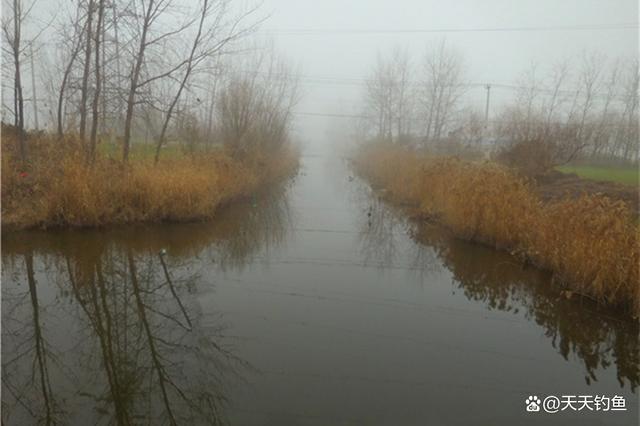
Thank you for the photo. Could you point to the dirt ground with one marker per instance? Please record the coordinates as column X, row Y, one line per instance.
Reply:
column 556, row 185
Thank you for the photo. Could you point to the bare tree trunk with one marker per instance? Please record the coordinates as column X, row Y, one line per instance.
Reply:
column 103, row 82
column 85, row 74
column 135, row 76
column 34, row 96
column 65, row 78
column 96, row 95
column 559, row 76
column 212, row 106
column 183, row 83
column 155, row 357
column 214, row 96
column 40, row 347
column 17, row 88
column 118, row 120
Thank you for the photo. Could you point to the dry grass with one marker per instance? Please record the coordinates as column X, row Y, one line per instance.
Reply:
column 590, row 243
column 59, row 189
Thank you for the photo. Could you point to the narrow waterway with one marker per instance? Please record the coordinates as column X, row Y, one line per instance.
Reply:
column 314, row 303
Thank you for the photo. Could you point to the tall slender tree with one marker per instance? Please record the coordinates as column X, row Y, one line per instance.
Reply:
column 84, row 91
column 98, row 81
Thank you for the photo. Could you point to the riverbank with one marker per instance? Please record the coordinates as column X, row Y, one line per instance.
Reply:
column 555, row 185
column 59, row 188
column 590, row 243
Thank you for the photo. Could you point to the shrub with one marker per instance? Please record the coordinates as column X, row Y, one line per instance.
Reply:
column 531, row 157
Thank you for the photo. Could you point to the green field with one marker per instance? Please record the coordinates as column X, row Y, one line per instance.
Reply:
column 624, row 175
column 143, row 151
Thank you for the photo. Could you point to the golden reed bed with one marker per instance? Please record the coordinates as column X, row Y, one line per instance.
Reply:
column 589, row 243
column 59, row 189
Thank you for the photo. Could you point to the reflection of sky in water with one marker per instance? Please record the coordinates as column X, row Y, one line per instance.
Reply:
column 316, row 304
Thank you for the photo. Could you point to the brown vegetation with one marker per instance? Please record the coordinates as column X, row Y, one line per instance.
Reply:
column 528, row 157
column 60, row 189
column 589, row 243
column 555, row 185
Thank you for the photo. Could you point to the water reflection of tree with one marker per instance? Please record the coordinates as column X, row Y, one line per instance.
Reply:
column 23, row 330
column 158, row 364
column 596, row 335
column 139, row 349
column 265, row 226
column 144, row 353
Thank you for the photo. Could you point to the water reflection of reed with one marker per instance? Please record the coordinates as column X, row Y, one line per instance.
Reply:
column 380, row 241
column 378, row 237
column 238, row 232
column 118, row 336
column 598, row 336
column 264, row 227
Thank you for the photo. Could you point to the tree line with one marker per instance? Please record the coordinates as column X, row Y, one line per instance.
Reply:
column 163, row 70
column 584, row 107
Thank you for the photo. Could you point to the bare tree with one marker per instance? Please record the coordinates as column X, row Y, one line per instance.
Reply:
column 205, row 45
column 541, row 127
column 557, row 80
column 403, row 99
column 76, row 44
column 442, row 88
column 579, row 127
column 602, row 131
column 588, row 86
column 150, row 13
column 98, row 81
column 630, row 126
column 86, row 70
column 472, row 128
column 379, row 95
column 525, row 108
column 388, row 96
column 12, row 30
column 255, row 108
column 215, row 71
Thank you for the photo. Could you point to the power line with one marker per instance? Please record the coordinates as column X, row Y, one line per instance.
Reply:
column 414, row 120
column 320, row 114
column 354, row 81
column 314, row 31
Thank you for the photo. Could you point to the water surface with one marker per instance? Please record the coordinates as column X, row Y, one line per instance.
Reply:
column 314, row 303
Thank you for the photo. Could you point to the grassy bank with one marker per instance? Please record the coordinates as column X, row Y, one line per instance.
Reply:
column 623, row 175
column 59, row 189
column 589, row 243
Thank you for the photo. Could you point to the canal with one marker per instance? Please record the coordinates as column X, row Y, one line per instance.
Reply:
column 312, row 303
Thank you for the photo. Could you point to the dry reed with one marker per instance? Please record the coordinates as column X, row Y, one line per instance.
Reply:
column 59, row 188
column 590, row 243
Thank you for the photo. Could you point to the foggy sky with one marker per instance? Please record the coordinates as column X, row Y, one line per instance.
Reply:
column 334, row 57
column 499, row 57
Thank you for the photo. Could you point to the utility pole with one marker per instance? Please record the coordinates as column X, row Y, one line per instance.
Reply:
column 33, row 87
